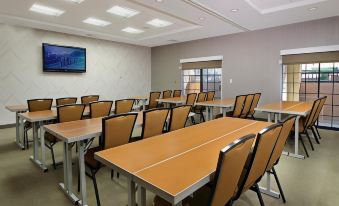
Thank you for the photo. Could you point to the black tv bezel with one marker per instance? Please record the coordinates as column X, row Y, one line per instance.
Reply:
column 60, row 69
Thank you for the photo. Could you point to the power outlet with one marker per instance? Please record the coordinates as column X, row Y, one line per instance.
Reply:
column 231, row 81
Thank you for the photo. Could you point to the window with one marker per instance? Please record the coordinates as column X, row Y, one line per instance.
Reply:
column 202, row 80
column 306, row 82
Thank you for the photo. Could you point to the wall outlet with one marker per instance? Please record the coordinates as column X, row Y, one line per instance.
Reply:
column 231, row 81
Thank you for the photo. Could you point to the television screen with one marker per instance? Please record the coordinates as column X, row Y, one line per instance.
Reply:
column 63, row 58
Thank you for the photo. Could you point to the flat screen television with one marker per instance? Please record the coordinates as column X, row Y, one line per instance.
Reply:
column 63, row 58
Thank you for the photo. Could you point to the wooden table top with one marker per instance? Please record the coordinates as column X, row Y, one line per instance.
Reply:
column 82, row 129
column 140, row 97
column 174, row 100
column 17, row 108
column 227, row 102
column 160, row 161
column 287, row 107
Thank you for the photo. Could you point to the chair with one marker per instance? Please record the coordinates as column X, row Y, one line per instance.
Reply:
column 315, row 119
column 167, row 94
column 210, row 95
column 100, row 109
column 116, row 131
column 230, row 166
column 197, row 109
column 154, row 122
column 254, row 105
column 35, row 105
column 153, row 100
column 305, row 123
column 190, row 100
column 258, row 160
column 247, row 106
column 88, row 99
column 66, row 100
column 123, row 106
column 238, row 106
column 66, row 113
column 178, row 117
column 287, row 126
column 177, row 93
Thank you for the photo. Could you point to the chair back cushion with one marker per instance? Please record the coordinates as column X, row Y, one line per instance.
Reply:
column 178, row 117
column 190, row 99
column 100, row 109
column 35, row 105
column 210, row 95
column 154, row 122
column 123, row 106
column 167, row 94
column 67, row 113
column 153, row 99
column 177, row 93
column 238, row 105
column 67, row 100
column 88, row 99
column 254, row 103
column 247, row 105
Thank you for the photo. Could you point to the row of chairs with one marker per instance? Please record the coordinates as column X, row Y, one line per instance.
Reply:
column 249, row 159
column 244, row 106
column 117, row 131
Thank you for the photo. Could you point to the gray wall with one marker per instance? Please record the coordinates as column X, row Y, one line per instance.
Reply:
column 251, row 59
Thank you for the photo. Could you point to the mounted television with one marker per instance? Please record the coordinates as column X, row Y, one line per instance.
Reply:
column 63, row 58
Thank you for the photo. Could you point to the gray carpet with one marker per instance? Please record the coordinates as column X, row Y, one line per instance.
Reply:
column 312, row 182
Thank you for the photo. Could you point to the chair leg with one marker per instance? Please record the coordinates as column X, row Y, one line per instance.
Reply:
column 192, row 120
column 78, row 179
column 112, row 174
column 279, row 186
column 53, row 158
column 302, row 142
column 257, row 190
column 315, row 135
column 309, row 139
column 95, row 187
column 316, row 129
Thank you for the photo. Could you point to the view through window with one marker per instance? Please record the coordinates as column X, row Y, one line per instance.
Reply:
column 306, row 82
column 202, row 80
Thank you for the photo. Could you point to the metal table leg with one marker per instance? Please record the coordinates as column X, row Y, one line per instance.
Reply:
column 268, row 190
column 18, row 133
column 131, row 193
column 142, row 196
column 224, row 112
column 269, row 117
column 207, row 113
column 81, row 151
column 66, row 186
column 35, row 158
column 144, row 104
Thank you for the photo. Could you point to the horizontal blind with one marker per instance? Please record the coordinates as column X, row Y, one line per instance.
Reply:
column 319, row 57
column 202, row 65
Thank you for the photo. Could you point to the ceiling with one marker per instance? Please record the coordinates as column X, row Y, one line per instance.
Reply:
column 192, row 19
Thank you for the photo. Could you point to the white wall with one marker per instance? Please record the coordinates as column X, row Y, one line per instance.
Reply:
column 114, row 70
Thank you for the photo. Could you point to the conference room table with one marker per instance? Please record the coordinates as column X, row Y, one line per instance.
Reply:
column 175, row 164
column 298, row 108
column 79, row 132
column 19, row 108
column 172, row 100
column 224, row 104
column 143, row 99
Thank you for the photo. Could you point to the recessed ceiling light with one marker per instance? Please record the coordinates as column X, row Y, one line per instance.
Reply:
column 132, row 30
column 159, row 23
column 234, row 10
column 96, row 22
column 76, row 1
column 123, row 11
column 46, row 10
column 159, row 1
column 312, row 9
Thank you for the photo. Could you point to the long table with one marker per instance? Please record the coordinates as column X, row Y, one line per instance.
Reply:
column 175, row 164
column 173, row 100
column 224, row 104
column 78, row 132
column 19, row 108
column 301, row 109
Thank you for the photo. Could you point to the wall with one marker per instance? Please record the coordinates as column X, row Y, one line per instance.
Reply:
column 114, row 70
column 251, row 59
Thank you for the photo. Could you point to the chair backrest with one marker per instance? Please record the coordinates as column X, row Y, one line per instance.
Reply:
column 177, row 93
column 190, row 99
column 320, row 107
column 287, row 126
column 123, row 106
column 201, row 98
column 35, row 105
column 153, row 96
column 88, row 99
column 100, row 108
column 210, row 95
column 238, row 105
column 312, row 114
column 67, row 113
column 117, row 129
column 230, row 165
column 154, row 122
column 247, row 105
column 254, row 103
column 178, row 117
column 167, row 94
column 66, row 100
column 262, row 151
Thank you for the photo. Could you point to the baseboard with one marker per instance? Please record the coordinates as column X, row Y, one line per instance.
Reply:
column 5, row 126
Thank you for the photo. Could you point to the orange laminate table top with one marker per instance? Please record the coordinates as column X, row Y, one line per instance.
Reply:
column 227, row 102
column 81, row 129
column 287, row 107
column 17, row 108
column 174, row 100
